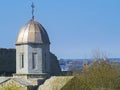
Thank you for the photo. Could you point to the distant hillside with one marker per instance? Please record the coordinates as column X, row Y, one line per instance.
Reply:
column 67, row 64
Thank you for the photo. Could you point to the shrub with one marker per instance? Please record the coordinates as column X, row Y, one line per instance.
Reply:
column 10, row 87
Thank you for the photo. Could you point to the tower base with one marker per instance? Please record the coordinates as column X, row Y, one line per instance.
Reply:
column 35, row 79
column 30, row 76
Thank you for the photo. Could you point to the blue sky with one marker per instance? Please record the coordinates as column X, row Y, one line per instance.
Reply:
column 76, row 27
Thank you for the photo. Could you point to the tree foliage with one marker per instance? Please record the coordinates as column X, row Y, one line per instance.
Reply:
column 99, row 76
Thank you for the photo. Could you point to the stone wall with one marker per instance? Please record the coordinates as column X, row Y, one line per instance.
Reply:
column 55, row 67
column 8, row 62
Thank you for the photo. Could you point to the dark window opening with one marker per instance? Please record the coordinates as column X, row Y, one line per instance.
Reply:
column 22, row 60
column 45, row 61
column 34, row 60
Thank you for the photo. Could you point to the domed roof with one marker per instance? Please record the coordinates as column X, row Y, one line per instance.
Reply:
column 32, row 32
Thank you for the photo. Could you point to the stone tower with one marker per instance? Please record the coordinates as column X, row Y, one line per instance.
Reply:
column 32, row 49
column 33, row 56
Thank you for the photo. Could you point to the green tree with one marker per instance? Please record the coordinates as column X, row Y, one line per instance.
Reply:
column 99, row 75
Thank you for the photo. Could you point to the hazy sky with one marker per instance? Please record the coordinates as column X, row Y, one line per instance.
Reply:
column 75, row 27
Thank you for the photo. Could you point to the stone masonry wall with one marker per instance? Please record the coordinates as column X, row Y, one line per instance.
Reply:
column 55, row 67
column 8, row 62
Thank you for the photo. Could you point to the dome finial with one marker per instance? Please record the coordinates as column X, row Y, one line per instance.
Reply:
column 32, row 10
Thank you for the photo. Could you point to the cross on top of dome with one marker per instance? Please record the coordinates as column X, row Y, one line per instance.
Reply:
column 33, row 6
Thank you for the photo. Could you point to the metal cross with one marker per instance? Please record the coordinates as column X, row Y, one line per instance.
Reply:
column 32, row 10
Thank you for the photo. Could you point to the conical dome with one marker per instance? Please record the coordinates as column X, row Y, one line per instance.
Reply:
column 32, row 32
